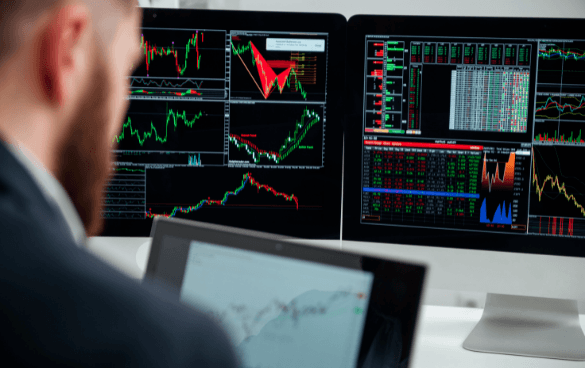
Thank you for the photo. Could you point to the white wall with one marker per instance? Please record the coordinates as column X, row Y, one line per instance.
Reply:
column 498, row 8
column 516, row 8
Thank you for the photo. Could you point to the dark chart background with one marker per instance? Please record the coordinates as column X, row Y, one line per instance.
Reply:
column 250, row 208
column 435, row 94
column 183, row 170
column 545, row 82
column 268, row 127
column 209, row 43
column 561, row 65
column 434, row 101
column 311, row 69
column 199, row 126
column 558, row 166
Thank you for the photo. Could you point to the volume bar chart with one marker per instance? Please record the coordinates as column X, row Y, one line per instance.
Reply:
column 557, row 226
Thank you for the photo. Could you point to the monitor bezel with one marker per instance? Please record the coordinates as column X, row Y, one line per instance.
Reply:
column 410, row 276
column 331, row 174
column 490, row 27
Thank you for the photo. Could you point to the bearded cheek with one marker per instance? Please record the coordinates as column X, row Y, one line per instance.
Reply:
column 86, row 154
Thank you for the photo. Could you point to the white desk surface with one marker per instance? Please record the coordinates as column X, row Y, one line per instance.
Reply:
column 440, row 330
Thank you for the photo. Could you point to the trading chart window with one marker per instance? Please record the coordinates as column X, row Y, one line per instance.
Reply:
column 223, row 122
column 474, row 134
column 277, row 74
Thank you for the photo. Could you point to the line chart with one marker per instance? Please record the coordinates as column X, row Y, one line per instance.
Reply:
column 557, row 191
column 171, row 116
column 163, row 83
column 561, row 63
column 556, row 52
column 561, row 106
column 247, row 180
column 172, row 126
column 126, row 169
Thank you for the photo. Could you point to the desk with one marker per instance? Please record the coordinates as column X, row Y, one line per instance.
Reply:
column 440, row 330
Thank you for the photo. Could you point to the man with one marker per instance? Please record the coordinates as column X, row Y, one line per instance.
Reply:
column 63, row 68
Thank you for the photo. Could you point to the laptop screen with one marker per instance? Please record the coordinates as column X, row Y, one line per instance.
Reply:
column 279, row 311
column 286, row 304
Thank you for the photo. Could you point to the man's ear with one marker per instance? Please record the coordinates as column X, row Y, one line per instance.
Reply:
column 64, row 56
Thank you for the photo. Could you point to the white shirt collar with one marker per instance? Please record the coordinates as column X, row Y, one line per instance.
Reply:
column 52, row 190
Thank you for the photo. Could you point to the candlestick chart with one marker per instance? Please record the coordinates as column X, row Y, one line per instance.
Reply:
column 172, row 126
column 247, row 180
column 276, row 134
column 176, row 62
column 557, row 183
column 562, row 63
column 261, row 74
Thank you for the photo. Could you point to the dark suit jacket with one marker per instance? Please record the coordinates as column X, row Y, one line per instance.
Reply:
column 60, row 305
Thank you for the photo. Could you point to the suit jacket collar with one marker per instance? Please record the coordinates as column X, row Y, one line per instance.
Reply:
column 18, row 184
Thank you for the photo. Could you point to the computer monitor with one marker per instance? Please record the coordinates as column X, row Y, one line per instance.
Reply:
column 464, row 138
column 234, row 119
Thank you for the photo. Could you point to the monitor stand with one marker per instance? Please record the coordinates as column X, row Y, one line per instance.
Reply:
column 528, row 326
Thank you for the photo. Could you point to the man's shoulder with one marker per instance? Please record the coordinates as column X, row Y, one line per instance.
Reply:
column 66, row 305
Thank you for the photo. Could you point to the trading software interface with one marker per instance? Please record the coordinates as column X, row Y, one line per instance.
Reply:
column 276, row 309
column 221, row 120
column 474, row 134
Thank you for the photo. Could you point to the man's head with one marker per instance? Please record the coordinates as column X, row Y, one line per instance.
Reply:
column 64, row 64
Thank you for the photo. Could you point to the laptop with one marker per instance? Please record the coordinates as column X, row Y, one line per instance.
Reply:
column 286, row 304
